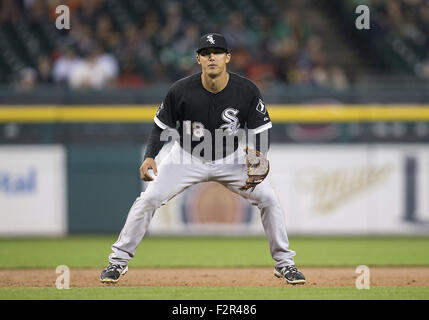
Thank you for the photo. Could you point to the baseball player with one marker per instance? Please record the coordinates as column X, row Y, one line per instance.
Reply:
column 201, row 106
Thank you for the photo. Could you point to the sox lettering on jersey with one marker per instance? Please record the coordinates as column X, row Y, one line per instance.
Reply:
column 203, row 117
column 230, row 116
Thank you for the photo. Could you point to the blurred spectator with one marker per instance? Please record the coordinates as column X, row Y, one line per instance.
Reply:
column 88, row 11
column 142, row 44
column 407, row 22
column 292, row 25
column 131, row 41
column 82, row 37
column 63, row 65
column 236, row 32
column 174, row 22
column 423, row 70
column 328, row 77
column 27, row 79
column 175, row 36
column 148, row 56
column 9, row 10
column 92, row 72
column 423, row 19
column 185, row 48
column 262, row 74
column 105, row 34
column 190, row 38
column 108, row 63
column 44, row 74
column 312, row 53
column 240, row 61
column 150, row 25
column 37, row 10
column 129, row 78
column 263, row 37
column 28, row 4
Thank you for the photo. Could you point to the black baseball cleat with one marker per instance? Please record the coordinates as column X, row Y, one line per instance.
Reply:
column 291, row 274
column 112, row 273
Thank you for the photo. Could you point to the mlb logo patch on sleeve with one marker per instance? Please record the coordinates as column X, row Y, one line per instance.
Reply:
column 261, row 107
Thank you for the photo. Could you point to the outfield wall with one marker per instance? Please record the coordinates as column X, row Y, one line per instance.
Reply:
column 33, row 198
column 80, row 174
column 324, row 189
column 353, row 189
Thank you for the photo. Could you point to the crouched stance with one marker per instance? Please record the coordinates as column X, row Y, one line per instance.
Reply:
column 206, row 102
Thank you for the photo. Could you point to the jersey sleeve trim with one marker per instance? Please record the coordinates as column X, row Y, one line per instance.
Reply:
column 262, row 128
column 160, row 123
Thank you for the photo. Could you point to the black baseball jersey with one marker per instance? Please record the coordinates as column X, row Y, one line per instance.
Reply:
column 190, row 108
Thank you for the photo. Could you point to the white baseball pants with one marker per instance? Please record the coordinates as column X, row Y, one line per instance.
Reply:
column 178, row 171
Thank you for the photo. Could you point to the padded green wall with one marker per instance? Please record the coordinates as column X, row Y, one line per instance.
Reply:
column 103, row 182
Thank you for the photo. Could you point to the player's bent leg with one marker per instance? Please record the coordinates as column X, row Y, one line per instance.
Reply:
column 165, row 186
column 171, row 180
column 273, row 221
column 135, row 227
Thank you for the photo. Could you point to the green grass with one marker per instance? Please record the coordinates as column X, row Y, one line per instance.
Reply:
column 92, row 251
column 216, row 293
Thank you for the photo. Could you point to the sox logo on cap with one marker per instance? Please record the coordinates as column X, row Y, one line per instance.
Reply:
column 210, row 39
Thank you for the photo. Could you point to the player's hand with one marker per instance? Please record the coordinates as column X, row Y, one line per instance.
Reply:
column 149, row 163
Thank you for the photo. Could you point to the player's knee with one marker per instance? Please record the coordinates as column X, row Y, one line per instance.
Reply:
column 266, row 204
column 267, row 200
column 149, row 202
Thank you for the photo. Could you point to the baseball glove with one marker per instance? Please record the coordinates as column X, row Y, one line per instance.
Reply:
column 258, row 167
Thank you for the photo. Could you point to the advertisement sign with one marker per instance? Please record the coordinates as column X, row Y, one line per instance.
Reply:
column 32, row 190
column 352, row 189
column 323, row 189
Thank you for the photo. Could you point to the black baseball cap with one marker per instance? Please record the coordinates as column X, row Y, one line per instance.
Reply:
column 212, row 40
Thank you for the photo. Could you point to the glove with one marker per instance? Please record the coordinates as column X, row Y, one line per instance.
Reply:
column 258, row 167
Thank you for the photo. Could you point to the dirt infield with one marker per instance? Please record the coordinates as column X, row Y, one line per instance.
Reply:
column 212, row 277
